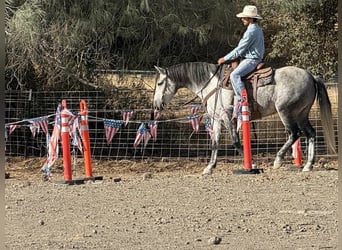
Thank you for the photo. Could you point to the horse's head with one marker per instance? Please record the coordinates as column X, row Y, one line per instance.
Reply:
column 164, row 90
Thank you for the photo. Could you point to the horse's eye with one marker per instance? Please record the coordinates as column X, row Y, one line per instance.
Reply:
column 160, row 83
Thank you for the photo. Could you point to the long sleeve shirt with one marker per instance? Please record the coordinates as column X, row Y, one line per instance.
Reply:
column 250, row 46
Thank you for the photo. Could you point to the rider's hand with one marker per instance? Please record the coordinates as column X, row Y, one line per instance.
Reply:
column 220, row 60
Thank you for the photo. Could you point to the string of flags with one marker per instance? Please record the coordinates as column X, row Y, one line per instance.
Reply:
column 145, row 131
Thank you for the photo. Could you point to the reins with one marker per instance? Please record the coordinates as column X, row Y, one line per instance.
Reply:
column 205, row 85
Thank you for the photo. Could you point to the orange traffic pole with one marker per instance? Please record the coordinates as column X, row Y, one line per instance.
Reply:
column 65, row 129
column 85, row 139
column 247, row 152
column 297, row 153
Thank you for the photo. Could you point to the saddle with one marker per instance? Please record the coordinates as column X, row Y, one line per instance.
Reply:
column 259, row 77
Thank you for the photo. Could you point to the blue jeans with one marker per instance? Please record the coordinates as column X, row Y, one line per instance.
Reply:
column 245, row 66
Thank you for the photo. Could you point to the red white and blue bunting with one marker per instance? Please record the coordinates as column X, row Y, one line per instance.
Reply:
column 145, row 131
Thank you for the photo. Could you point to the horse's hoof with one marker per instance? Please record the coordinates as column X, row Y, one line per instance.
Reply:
column 277, row 164
column 206, row 172
column 307, row 168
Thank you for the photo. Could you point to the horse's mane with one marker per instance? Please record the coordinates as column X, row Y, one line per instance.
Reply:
column 186, row 73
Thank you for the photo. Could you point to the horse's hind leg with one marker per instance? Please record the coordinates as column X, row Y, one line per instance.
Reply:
column 310, row 134
column 293, row 131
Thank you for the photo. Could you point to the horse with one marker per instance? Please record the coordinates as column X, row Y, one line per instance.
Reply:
column 291, row 94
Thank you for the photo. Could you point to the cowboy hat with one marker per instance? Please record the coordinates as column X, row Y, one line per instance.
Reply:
column 249, row 11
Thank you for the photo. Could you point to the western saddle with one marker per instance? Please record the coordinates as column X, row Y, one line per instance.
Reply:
column 259, row 77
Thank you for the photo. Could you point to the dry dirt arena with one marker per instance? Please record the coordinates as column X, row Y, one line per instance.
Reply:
column 169, row 205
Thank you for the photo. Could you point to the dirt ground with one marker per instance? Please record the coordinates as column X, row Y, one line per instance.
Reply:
column 169, row 205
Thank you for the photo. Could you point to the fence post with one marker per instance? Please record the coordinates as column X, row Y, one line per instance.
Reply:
column 65, row 129
column 85, row 139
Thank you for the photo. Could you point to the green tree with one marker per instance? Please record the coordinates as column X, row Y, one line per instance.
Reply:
column 303, row 33
column 60, row 44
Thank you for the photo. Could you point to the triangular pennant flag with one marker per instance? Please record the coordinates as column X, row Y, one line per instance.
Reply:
column 142, row 134
column 12, row 127
column 111, row 128
column 139, row 135
column 126, row 115
column 147, row 137
column 34, row 127
column 153, row 129
column 76, row 141
column 42, row 122
column 75, row 126
column 194, row 109
column 195, row 121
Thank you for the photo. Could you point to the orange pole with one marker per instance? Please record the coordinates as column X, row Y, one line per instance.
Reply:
column 85, row 139
column 247, row 152
column 65, row 129
column 297, row 153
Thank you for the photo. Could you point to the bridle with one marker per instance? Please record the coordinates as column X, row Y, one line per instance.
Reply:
column 163, row 92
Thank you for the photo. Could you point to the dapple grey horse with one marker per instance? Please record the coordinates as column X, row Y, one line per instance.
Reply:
column 291, row 94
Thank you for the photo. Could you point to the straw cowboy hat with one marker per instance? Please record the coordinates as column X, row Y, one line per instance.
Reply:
column 249, row 11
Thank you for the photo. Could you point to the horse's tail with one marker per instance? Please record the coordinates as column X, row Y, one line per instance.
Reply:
column 326, row 115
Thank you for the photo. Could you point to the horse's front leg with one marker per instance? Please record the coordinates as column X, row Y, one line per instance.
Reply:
column 235, row 137
column 214, row 147
column 213, row 159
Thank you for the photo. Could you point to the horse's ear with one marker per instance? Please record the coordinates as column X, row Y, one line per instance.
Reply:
column 160, row 70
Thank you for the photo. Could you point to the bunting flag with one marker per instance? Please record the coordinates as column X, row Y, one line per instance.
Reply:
column 46, row 169
column 156, row 114
column 194, row 109
column 209, row 128
column 40, row 122
column 126, row 115
column 195, row 121
column 12, row 127
column 147, row 137
column 73, row 122
column 111, row 128
column 75, row 126
column 238, row 125
column 34, row 127
column 76, row 141
column 142, row 134
column 153, row 129
column 52, row 144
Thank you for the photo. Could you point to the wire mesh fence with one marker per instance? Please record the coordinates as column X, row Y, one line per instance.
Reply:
column 175, row 136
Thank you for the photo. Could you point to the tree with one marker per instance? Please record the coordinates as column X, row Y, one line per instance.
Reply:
column 305, row 34
column 60, row 44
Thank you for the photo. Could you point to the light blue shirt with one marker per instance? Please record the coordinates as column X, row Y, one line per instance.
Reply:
column 251, row 45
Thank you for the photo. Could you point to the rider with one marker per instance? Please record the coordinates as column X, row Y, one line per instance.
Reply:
column 250, row 51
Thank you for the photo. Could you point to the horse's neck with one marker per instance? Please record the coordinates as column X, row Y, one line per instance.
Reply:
column 202, row 90
column 198, row 78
